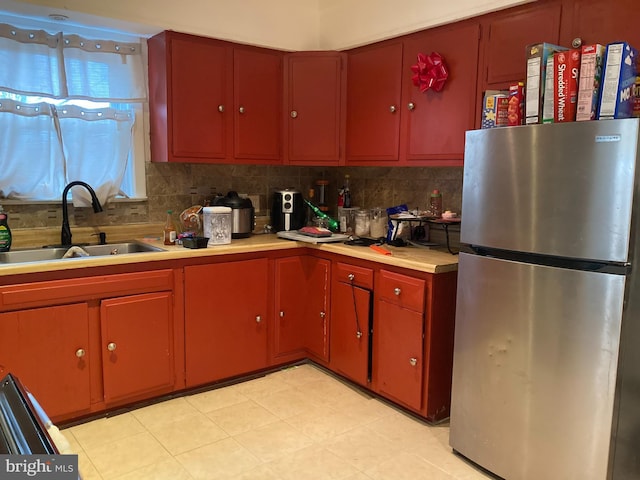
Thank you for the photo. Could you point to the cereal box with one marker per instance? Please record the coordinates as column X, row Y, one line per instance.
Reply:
column 565, row 82
column 495, row 109
column 591, row 64
column 537, row 55
column 616, row 98
column 636, row 98
column 547, row 103
column 515, row 109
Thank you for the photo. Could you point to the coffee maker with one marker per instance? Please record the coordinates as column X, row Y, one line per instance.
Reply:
column 288, row 211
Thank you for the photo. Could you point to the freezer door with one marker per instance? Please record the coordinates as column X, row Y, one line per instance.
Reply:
column 561, row 189
column 534, row 374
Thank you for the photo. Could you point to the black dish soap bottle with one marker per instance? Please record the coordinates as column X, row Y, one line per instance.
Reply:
column 5, row 232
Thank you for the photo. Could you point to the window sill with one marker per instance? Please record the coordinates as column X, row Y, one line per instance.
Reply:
column 7, row 201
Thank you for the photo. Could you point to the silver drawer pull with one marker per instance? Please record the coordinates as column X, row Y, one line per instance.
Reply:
column 351, row 277
column 259, row 318
column 413, row 361
column 80, row 353
column 397, row 291
column 111, row 347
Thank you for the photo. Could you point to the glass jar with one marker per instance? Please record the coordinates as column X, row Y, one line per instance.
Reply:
column 363, row 223
column 347, row 219
column 378, row 225
column 217, row 225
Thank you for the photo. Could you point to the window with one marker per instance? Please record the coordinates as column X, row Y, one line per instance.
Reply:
column 71, row 108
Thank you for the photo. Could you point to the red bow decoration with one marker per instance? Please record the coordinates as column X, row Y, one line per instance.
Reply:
column 430, row 72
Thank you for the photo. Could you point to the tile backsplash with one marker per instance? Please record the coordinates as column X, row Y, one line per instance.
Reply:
column 178, row 186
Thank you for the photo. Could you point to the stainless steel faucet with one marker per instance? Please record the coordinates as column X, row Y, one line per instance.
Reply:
column 65, row 234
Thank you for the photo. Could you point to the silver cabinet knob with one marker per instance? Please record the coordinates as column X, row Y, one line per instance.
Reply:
column 80, row 353
column 281, row 314
column 358, row 335
column 392, row 109
column 241, row 109
column 411, row 106
column 221, row 108
column 323, row 314
column 413, row 361
column 351, row 276
column 396, row 291
column 111, row 347
column 294, row 114
column 258, row 319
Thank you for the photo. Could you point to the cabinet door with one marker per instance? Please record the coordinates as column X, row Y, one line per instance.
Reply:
column 291, row 298
column 137, row 343
column 316, row 323
column 225, row 320
column 199, row 98
column 434, row 123
column 257, row 104
column 398, row 353
column 350, row 332
column 374, row 84
column 315, row 84
column 506, row 34
column 301, row 317
column 595, row 21
column 48, row 350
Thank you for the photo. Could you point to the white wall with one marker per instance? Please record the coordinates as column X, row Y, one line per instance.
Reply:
column 350, row 23
column 284, row 24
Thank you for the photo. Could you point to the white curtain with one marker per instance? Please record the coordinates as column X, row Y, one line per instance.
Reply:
column 66, row 113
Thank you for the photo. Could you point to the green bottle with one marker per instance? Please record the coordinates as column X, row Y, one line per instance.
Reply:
column 5, row 232
column 333, row 224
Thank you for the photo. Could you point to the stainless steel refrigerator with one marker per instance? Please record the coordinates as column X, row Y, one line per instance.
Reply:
column 546, row 371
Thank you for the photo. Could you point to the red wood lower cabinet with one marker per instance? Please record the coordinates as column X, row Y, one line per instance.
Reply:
column 137, row 345
column 48, row 350
column 316, row 324
column 225, row 320
column 398, row 352
column 302, row 308
column 350, row 325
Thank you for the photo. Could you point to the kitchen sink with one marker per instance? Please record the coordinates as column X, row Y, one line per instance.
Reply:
column 58, row 252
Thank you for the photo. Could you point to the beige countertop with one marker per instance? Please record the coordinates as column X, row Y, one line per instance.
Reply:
column 415, row 258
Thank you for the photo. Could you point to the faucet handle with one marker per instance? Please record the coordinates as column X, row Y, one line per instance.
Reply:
column 102, row 236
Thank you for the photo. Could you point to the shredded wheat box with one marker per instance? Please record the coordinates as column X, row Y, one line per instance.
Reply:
column 537, row 55
column 565, row 82
column 620, row 71
column 591, row 65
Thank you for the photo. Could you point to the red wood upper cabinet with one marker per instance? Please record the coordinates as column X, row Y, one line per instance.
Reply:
column 315, row 95
column 374, row 92
column 190, row 95
column 506, row 35
column 257, row 104
column 212, row 101
column 434, row 123
column 597, row 21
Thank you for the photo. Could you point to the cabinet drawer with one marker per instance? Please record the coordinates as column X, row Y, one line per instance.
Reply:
column 407, row 292
column 362, row 277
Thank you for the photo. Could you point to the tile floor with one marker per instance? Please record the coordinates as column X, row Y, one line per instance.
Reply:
column 299, row 423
